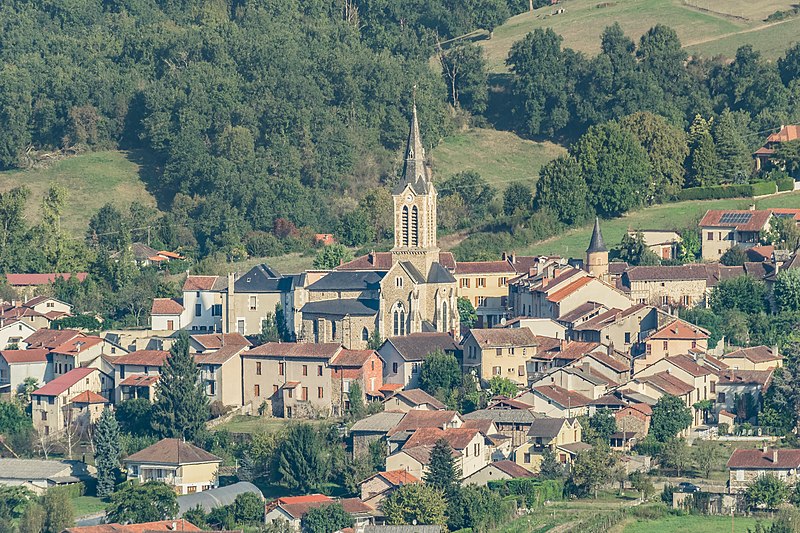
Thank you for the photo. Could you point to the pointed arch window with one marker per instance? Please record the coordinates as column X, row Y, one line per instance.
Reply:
column 404, row 227
column 414, row 226
column 444, row 316
column 365, row 334
column 399, row 320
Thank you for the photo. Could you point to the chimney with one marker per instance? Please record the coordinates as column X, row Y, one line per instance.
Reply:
column 513, row 257
column 701, row 358
column 752, row 207
column 504, row 256
column 563, row 345
column 764, row 448
column 775, row 456
column 585, row 366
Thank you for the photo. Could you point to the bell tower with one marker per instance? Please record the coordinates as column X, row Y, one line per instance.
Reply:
column 597, row 253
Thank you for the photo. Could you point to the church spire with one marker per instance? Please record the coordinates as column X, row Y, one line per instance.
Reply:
column 415, row 172
column 596, row 244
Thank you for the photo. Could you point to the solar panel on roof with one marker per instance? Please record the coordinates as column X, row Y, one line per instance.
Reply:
column 735, row 218
column 784, row 215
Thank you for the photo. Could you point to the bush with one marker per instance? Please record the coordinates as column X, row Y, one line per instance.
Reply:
column 764, row 187
column 785, row 184
column 531, row 492
column 716, row 192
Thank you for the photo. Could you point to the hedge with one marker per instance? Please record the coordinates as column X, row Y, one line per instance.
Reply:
column 533, row 491
column 785, row 184
column 717, row 192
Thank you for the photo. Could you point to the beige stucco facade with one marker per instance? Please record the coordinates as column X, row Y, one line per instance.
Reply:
column 51, row 414
column 186, row 479
column 503, row 361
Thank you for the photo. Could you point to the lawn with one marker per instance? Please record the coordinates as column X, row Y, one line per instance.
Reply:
column 500, row 157
column 87, row 505
column 704, row 24
column 91, row 180
column 692, row 523
column 573, row 242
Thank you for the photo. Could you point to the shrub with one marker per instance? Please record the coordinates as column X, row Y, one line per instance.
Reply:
column 716, row 192
column 764, row 187
column 532, row 492
column 785, row 184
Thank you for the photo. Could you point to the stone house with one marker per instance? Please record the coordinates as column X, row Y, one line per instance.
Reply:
column 547, row 434
column 556, row 402
column 252, row 296
column 674, row 285
column 512, row 418
column 294, row 380
column 26, row 285
column 136, row 374
column 373, row 428
column 417, row 419
column 621, row 329
column 412, row 400
column 403, row 356
column 51, row 405
column 662, row 243
column 499, row 352
column 746, row 465
column 17, row 365
column 498, row 470
column 764, row 155
column 755, row 358
column 414, row 456
column 677, row 337
column 377, row 487
column 721, row 230
column 182, row 465
column 635, row 418
column 221, row 374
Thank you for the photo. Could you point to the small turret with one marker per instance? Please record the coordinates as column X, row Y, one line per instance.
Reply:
column 597, row 253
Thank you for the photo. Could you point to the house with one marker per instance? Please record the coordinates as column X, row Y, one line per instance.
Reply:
column 210, row 499
column 362, row 366
column 204, row 342
column 182, row 465
column 513, row 419
column 498, row 470
column 622, row 441
column 26, row 284
column 13, row 333
column 548, row 434
column 259, row 292
column 742, row 391
column 292, row 509
column 200, row 309
column 662, row 243
column 415, row 420
column 766, row 153
column 755, row 358
column 18, row 365
column 82, row 350
column 403, row 356
column 554, row 401
column 377, row 487
column 745, row 465
column 554, row 353
column 294, row 380
column 615, row 367
column 635, row 417
column 485, row 285
column 179, row 524
column 412, row 400
column 667, row 285
column 677, row 337
column 221, row 374
column 37, row 312
column 50, row 339
column 656, row 385
column 168, row 314
column 414, row 456
column 39, row 475
column 496, row 445
column 721, row 230
column 499, row 352
column 623, row 330
column 581, row 379
column 51, row 405
column 373, row 428
column 136, row 374
column 545, row 327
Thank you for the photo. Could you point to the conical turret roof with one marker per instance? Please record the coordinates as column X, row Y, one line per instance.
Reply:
column 415, row 172
column 596, row 244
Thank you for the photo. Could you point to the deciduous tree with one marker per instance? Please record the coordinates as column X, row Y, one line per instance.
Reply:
column 439, row 372
column 415, row 504
column 148, row 502
column 327, row 519
column 670, row 417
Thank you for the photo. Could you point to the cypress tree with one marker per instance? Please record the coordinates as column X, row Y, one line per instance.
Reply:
column 442, row 474
column 702, row 165
column 107, row 452
column 181, row 407
column 734, row 157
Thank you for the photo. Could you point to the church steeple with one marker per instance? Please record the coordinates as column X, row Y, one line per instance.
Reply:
column 597, row 253
column 415, row 171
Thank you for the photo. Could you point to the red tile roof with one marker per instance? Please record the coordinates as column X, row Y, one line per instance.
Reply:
column 398, row 477
column 383, row 261
column 139, row 380
column 573, row 350
column 484, row 267
column 678, row 329
column 212, row 341
column 50, row 338
column 14, row 357
column 787, row 133
column 569, row 289
column 166, row 306
column 88, row 397
column 746, row 377
column 667, row 383
column 610, row 362
column 218, row 357
column 22, row 280
column 162, row 525
column 504, row 337
column 143, row 358
column 759, row 460
column 416, row 419
column 563, row 397
column 200, row 283
column 63, row 382
column 75, row 346
column 353, row 358
column 785, row 211
column 757, row 221
column 172, row 452
column 418, row 397
column 511, row 468
column 323, row 350
column 457, row 438
column 688, row 365
column 756, row 354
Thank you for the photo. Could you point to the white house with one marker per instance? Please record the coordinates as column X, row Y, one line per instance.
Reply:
column 12, row 335
column 17, row 365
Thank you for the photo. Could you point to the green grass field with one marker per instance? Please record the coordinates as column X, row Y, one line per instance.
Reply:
column 500, row 157
column 693, row 524
column 91, row 180
column 572, row 243
column 87, row 505
column 257, row 424
column 704, row 26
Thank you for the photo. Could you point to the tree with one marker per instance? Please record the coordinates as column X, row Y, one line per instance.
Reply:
column 269, row 329
column 789, row 154
column 733, row 156
column 676, row 454
column 466, row 312
column 107, row 453
column 440, row 372
column 742, row 293
column 378, row 205
column 299, row 458
column 702, row 165
column 562, row 189
column 517, row 199
column 181, row 407
column 13, row 501
column 633, row 250
column 32, row 519
column 706, row 456
column 475, row 192
column 356, row 398
column 767, row 490
column 58, row 511
column 784, row 233
column 787, row 290
column 643, row 483
column 415, row 504
column 735, row 256
column 670, row 417
column 148, row 502
column 464, row 71
column 135, row 416
column 332, row 256
column 500, row 386
column 442, row 473
column 616, row 168
column 592, row 468
column 550, row 468
column 248, row 508
column 356, row 228
column 477, row 508
column 603, row 424
column 327, row 519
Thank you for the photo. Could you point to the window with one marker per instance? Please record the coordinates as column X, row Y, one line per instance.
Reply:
column 686, row 300
column 498, row 351
column 281, row 369
column 665, row 345
column 240, row 326
column 665, row 300
column 51, row 304
column 304, row 394
column 290, row 393
column 627, row 337
column 521, row 370
column 480, row 301
column 480, row 283
column 527, row 458
column 253, row 303
column 212, row 388
column 319, row 370
column 502, row 282
column 258, row 368
column 216, row 310
column 477, row 447
column 511, row 351
column 496, row 370
column 198, row 309
column 44, row 415
column 398, row 281
column 710, row 236
column 415, row 368
column 305, row 370
column 365, row 334
column 320, row 392
column 648, row 348
column 256, row 390
column 694, row 344
column 372, row 365
column 394, row 368
column 464, row 283
column 713, row 387
column 740, row 475
column 47, row 430
column 720, row 397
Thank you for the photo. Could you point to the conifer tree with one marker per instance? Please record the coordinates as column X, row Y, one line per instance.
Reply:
column 107, row 452
column 181, row 407
column 702, row 165
column 442, row 474
column 734, row 157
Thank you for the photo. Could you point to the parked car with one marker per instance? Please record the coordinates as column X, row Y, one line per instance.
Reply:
column 685, row 486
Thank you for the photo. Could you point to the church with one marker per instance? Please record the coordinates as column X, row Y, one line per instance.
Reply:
column 409, row 289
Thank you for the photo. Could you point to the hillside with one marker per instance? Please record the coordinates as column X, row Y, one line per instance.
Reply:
column 500, row 157
column 707, row 27
column 674, row 216
column 91, row 180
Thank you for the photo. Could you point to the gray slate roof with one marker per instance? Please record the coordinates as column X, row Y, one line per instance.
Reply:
column 209, row 499
column 546, row 428
column 35, row 469
column 417, row 346
column 349, row 306
column 346, row 280
column 439, row 274
column 597, row 244
column 507, row 416
column 262, row 278
column 378, row 423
